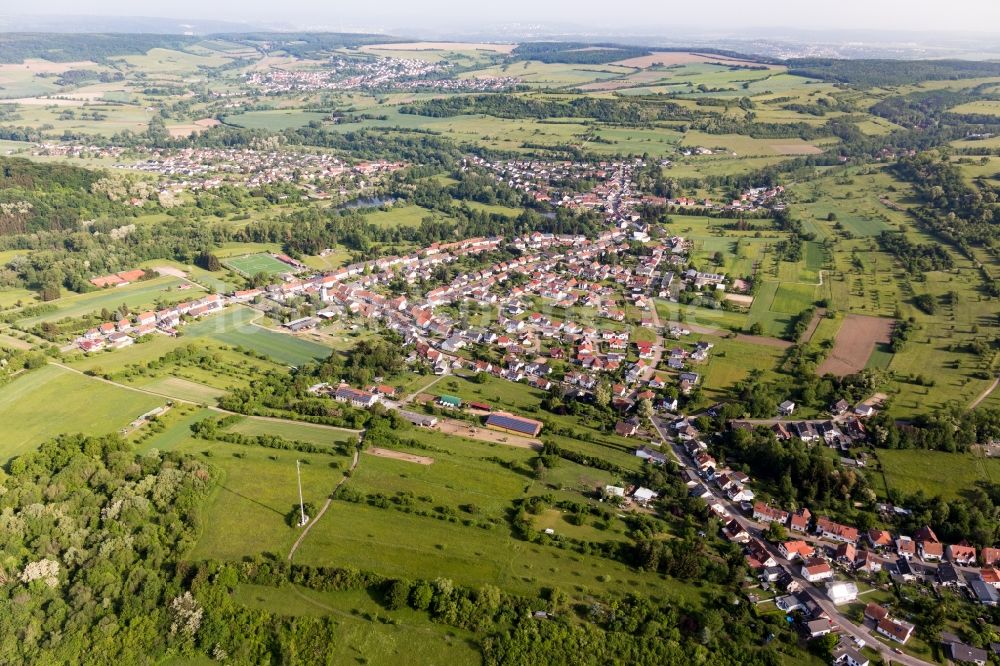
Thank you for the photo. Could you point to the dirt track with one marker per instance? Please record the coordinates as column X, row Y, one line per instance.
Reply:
column 854, row 344
column 399, row 455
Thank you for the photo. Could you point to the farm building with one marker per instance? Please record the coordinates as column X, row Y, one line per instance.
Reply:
column 643, row 496
column 301, row 324
column 514, row 424
column 454, row 402
column 356, row 398
column 422, row 420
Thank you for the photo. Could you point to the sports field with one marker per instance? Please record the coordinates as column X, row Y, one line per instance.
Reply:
column 252, row 264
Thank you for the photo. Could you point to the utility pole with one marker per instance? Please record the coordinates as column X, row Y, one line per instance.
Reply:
column 302, row 506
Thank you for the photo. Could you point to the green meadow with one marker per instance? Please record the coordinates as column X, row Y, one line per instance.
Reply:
column 236, row 327
column 136, row 296
column 936, row 472
column 52, row 401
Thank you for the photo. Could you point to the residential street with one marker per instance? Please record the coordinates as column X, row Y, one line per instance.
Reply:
column 756, row 530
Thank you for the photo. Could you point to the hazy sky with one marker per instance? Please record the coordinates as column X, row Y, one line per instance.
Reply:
column 638, row 15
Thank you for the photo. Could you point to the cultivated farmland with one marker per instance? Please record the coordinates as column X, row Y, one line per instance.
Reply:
column 854, row 343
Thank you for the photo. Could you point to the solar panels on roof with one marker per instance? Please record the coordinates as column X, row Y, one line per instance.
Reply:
column 508, row 422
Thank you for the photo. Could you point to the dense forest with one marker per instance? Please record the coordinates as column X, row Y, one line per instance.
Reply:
column 952, row 207
column 59, row 47
column 576, row 53
column 618, row 111
column 91, row 537
column 877, row 73
column 44, row 197
column 305, row 44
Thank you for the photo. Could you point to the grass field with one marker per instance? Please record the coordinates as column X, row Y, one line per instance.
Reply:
column 674, row 313
column 881, row 357
column 53, row 401
column 409, row 638
column 11, row 296
column 400, row 215
column 460, row 475
column 246, row 513
column 397, row 543
column 305, row 432
column 234, row 327
column 936, row 472
column 774, row 322
column 732, row 361
column 513, row 134
column 167, row 61
column 982, row 107
column 184, row 389
column 252, row 264
column 137, row 296
column 793, row 298
column 748, row 146
column 275, row 120
column 496, row 209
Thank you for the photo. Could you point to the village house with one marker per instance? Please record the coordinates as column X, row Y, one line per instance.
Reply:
column 962, row 555
column 960, row 653
column 792, row 550
column 848, row 654
column 828, row 529
column 867, row 562
column 817, row 628
column 758, row 557
column 878, row 539
column 626, row 428
column 644, row 496
column 655, row 457
column 734, row 532
column 896, row 630
column 931, row 551
column 985, row 593
column 816, row 569
column 845, row 553
column 799, row 521
column 948, row 576
column 906, row 548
